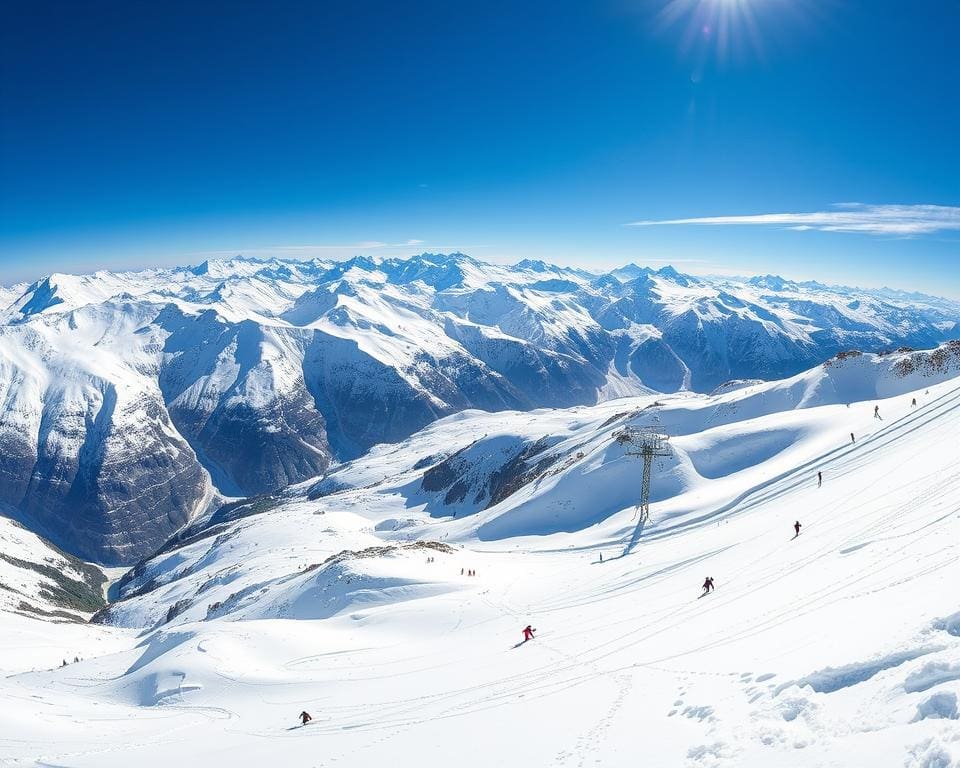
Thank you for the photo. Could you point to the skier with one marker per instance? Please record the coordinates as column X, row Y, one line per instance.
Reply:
column 304, row 717
column 876, row 411
column 913, row 403
column 707, row 585
column 852, row 438
column 528, row 633
column 601, row 557
column 796, row 527
column 819, row 479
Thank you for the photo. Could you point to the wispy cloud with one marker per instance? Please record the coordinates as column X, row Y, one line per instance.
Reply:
column 903, row 220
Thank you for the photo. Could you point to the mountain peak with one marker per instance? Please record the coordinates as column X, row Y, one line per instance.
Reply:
column 456, row 257
column 534, row 265
column 671, row 274
column 630, row 272
column 232, row 267
column 42, row 295
column 773, row 283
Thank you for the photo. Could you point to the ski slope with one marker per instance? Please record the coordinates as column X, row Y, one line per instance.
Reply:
column 130, row 402
column 840, row 647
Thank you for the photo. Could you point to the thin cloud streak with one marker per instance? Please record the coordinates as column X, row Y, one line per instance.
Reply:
column 903, row 220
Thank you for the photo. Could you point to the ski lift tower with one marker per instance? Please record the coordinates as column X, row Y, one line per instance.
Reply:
column 645, row 442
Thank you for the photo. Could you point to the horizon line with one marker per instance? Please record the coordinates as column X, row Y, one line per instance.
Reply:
column 668, row 264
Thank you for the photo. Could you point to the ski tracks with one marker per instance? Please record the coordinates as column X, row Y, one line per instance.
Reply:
column 586, row 750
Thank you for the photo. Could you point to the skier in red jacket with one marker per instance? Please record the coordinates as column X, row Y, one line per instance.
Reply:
column 528, row 633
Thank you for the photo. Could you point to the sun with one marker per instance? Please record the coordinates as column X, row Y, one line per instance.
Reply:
column 723, row 30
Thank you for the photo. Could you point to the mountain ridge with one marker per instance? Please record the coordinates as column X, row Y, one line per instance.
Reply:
column 129, row 398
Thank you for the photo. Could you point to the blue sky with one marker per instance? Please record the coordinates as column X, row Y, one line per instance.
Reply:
column 138, row 134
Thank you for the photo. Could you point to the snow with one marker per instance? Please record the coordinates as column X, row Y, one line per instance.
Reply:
column 28, row 644
column 837, row 647
column 19, row 583
column 394, row 307
column 148, row 393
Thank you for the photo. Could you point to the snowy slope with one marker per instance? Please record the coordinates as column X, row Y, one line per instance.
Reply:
column 46, row 598
column 128, row 400
column 493, row 477
column 346, row 597
column 38, row 580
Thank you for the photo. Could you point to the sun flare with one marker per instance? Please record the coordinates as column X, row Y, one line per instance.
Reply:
column 715, row 29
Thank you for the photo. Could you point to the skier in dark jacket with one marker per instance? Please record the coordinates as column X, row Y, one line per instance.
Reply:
column 528, row 633
column 708, row 585
column 796, row 527
column 304, row 717
column 819, row 479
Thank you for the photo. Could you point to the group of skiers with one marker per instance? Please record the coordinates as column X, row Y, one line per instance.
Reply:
column 708, row 585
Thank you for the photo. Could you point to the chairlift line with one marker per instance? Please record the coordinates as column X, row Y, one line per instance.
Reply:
column 645, row 442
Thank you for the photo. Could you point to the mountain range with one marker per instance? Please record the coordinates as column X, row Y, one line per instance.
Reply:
column 129, row 401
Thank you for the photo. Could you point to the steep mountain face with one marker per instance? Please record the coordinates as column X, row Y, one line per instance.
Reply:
column 91, row 457
column 128, row 399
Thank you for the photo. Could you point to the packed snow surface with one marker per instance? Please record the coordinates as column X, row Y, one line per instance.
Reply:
column 350, row 598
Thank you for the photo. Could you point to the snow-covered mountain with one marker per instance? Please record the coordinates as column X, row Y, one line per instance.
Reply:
column 39, row 580
column 351, row 597
column 504, row 476
column 127, row 400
